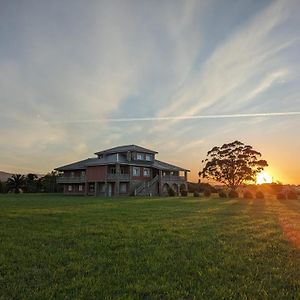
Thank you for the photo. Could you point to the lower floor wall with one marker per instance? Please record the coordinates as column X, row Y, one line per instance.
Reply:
column 127, row 188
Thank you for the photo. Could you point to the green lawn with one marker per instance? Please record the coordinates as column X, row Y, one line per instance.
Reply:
column 54, row 246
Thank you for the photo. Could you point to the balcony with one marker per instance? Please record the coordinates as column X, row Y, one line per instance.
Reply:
column 71, row 179
column 172, row 178
column 114, row 177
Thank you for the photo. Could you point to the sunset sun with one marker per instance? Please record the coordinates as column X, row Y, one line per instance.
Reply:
column 263, row 177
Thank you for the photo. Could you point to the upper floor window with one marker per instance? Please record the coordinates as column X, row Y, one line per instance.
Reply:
column 136, row 171
column 148, row 157
column 72, row 174
column 82, row 173
column 146, row 172
column 112, row 170
column 139, row 156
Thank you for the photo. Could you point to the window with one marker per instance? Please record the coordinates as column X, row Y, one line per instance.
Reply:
column 82, row 173
column 123, row 187
column 148, row 157
column 91, row 187
column 139, row 156
column 112, row 170
column 136, row 171
column 80, row 188
column 69, row 188
column 72, row 174
column 146, row 172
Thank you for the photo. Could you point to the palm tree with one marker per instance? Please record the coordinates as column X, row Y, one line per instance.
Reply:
column 16, row 182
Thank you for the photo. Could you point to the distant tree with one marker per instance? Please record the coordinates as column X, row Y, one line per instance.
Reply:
column 49, row 182
column 32, row 183
column 232, row 164
column 1, row 187
column 16, row 183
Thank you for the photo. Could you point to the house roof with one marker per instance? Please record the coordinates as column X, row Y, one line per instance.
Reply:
column 165, row 166
column 113, row 158
column 126, row 148
column 78, row 165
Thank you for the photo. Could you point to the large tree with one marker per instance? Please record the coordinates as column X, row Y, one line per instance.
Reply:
column 232, row 164
column 32, row 183
column 49, row 182
column 16, row 183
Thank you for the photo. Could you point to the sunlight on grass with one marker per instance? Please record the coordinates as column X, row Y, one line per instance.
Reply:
column 170, row 248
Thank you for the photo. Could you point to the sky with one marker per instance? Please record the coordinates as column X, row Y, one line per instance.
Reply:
column 77, row 77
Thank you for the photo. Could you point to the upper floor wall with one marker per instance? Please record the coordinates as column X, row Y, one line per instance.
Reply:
column 129, row 156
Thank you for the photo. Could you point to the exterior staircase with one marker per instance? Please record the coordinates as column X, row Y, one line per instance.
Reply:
column 145, row 188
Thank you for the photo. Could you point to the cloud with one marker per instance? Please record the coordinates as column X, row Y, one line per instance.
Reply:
column 248, row 53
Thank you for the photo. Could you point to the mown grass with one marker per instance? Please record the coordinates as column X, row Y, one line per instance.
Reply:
column 53, row 246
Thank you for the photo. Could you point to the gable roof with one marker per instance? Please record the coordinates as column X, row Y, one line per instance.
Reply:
column 78, row 165
column 126, row 148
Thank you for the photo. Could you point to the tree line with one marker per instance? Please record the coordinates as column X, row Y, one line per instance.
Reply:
column 31, row 183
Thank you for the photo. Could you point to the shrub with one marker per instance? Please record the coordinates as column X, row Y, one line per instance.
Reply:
column 171, row 192
column 292, row 195
column 233, row 194
column 184, row 193
column 247, row 195
column 259, row 195
column 196, row 194
column 281, row 196
column 207, row 193
column 222, row 194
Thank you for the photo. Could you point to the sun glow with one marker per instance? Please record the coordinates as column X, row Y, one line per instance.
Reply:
column 263, row 177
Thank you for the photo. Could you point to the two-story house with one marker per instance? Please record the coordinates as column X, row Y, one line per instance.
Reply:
column 123, row 170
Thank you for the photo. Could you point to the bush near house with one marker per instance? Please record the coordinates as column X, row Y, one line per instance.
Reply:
column 171, row 192
column 200, row 187
column 291, row 195
column 184, row 193
column 233, row 194
column 207, row 193
column 222, row 194
column 281, row 196
column 259, row 195
column 247, row 195
column 196, row 194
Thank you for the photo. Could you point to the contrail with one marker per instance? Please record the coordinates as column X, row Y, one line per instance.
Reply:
column 197, row 117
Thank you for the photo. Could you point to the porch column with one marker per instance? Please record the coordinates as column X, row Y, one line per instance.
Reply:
column 105, row 183
column 131, row 186
column 117, row 187
column 185, row 175
column 95, row 189
column 85, row 188
column 159, row 182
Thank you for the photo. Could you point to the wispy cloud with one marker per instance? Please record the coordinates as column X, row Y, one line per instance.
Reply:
column 248, row 55
column 177, row 118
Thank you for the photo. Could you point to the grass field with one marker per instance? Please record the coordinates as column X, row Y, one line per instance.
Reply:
column 53, row 246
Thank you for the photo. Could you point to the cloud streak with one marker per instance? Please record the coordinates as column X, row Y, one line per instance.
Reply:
column 169, row 118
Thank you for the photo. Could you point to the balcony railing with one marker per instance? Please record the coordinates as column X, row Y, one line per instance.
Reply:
column 115, row 177
column 172, row 178
column 71, row 179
